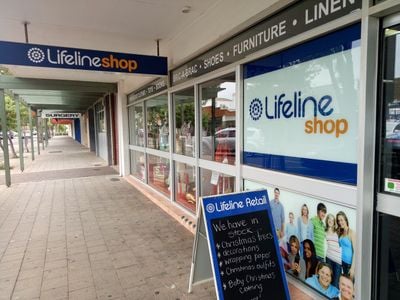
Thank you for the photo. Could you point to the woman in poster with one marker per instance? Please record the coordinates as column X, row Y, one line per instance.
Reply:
column 297, row 264
column 310, row 258
column 347, row 243
column 322, row 281
column 304, row 226
column 334, row 251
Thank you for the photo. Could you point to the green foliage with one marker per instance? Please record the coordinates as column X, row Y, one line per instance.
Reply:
column 11, row 113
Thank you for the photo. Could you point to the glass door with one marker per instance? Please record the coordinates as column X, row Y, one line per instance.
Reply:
column 387, row 258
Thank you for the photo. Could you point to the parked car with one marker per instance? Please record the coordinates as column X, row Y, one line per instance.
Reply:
column 393, row 134
column 224, row 145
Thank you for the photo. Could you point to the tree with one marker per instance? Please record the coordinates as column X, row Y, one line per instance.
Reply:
column 11, row 117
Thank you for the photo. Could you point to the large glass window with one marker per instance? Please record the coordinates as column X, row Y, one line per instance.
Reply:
column 158, row 173
column 387, row 257
column 138, row 164
column 388, row 260
column 157, row 123
column 136, row 125
column 218, row 115
column 301, row 108
column 183, row 103
column 390, row 141
column 216, row 183
column 185, row 185
column 100, row 117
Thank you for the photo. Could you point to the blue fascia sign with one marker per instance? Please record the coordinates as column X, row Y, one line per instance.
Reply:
column 35, row 55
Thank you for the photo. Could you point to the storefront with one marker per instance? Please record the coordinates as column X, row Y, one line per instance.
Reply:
column 290, row 104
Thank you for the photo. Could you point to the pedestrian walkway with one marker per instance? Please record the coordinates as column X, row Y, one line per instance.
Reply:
column 68, row 231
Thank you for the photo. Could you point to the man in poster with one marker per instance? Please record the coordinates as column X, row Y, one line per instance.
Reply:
column 278, row 214
column 319, row 231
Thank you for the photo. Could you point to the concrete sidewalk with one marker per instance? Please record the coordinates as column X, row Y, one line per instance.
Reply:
column 89, row 235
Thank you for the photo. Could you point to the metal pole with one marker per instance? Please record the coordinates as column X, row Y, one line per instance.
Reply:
column 20, row 143
column 5, row 137
column 31, row 130
column 46, row 128
column 38, row 134
column 41, row 130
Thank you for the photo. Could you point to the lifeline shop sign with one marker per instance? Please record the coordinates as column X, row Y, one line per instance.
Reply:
column 298, row 18
column 35, row 55
column 302, row 108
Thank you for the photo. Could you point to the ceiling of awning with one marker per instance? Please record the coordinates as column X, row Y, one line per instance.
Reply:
column 57, row 95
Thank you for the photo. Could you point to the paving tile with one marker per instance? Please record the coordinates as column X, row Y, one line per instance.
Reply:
column 26, row 294
column 110, row 292
column 87, row 293
column 30, row 273
column 54, row 264
column 6, row 287
column 54, row 282
column 55, row 273
column 59, row 293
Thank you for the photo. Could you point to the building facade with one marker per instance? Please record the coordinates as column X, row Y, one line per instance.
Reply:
column 304, row 103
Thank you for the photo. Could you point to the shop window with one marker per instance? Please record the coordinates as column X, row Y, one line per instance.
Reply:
column 157, row 123
column 101, row 123
column 185, row 179
column 138, row 164
column 390, row 134
column 216, row 183
column 136, row 125
column 183, row 103
column 158, row 173
column 301, row 108
column 218, row 120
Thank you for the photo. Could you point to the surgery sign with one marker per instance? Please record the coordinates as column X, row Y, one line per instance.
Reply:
column 83, row 59
column 301, row 108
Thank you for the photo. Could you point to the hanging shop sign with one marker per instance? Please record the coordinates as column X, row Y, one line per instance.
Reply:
column 152, row 88
column 61, row 115
column 35, row 55
column 61, row 121
column 301, row 108
column 243, row 247
column 297, row 19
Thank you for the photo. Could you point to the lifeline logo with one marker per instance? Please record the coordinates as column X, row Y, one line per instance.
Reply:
column 74, row 58
column 296, row 108
column 232, row 205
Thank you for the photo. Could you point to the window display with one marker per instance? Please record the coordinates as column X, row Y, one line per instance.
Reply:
column 138, row 168
column 158, row 173
column 218, row 120
column 185, row 179
column 157, row 123
column 101, row 123
column 184, row 120
column 136, row 125
column 216, row 183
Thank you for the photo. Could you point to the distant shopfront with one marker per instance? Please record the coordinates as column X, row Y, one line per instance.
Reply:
column 284, row 104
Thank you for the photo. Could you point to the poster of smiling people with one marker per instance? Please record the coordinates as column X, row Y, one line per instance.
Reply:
column 317, row 238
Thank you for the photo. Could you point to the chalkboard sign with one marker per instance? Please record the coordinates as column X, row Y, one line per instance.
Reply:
column 243, row 246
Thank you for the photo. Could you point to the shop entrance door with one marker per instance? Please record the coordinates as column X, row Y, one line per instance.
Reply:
column 387, row 258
